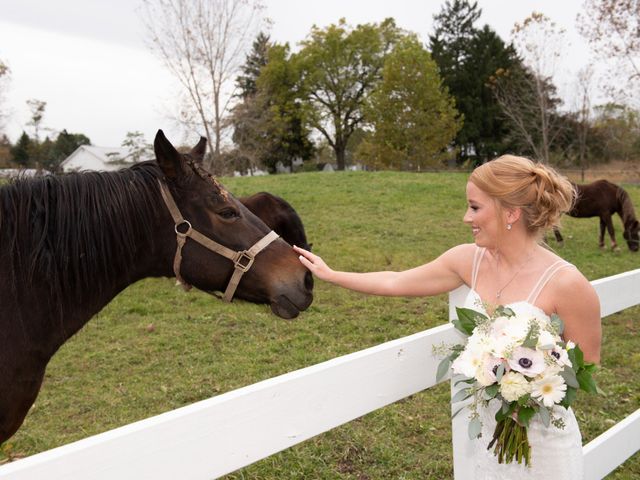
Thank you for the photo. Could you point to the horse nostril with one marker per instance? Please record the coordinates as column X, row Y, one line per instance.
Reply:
column 308, row 281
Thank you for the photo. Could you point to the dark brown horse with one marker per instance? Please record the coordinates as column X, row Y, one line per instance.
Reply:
column 602, row 199
column 279, row 216
column 69, row 244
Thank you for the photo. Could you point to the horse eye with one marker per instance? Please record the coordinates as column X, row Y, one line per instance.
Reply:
column 228, row 214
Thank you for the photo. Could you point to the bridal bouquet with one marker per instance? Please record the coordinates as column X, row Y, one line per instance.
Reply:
column 521, row 361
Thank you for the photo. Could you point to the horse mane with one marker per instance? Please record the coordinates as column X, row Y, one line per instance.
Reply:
column 627, row 212
column 75, row 230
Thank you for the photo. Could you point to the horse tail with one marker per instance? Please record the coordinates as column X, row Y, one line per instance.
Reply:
column 627, row 212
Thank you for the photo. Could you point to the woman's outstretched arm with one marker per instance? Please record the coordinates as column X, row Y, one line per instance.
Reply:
column 438, row 276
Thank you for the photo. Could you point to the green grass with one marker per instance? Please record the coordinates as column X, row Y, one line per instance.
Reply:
column 155, row 348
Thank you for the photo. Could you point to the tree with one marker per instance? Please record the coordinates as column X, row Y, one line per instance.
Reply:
column 340, row 66
column 202, row 43
column 413, row 117
column 20, row 151
column 583, row 113
column 37, row 108
column 5, row 73
column 268, row 122
column 467, row 57
column 526, row 94
column 612, row 27
column 52, row 154
column 256, row 59
column 617, row 130
column 139, row 149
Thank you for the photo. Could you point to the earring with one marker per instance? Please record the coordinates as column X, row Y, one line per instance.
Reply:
column 508, row 226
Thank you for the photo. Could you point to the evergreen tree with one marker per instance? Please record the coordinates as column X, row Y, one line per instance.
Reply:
column 467, row 57
column 20, row 151
column 255, row 60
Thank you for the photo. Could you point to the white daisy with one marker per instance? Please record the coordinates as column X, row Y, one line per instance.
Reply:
column 550, row 390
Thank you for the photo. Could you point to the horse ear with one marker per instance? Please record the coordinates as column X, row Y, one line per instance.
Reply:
column 168, row 157
column 197, row 152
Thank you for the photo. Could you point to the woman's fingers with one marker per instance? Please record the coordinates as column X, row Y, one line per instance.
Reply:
column 305, row 253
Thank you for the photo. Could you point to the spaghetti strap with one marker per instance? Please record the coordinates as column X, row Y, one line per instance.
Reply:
column 545, row 277
column 477, row 258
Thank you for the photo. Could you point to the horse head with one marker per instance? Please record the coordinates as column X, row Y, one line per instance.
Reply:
column 273, row 275
column 632, row 235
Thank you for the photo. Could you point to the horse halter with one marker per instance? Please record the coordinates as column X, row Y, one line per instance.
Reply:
column 242, row 260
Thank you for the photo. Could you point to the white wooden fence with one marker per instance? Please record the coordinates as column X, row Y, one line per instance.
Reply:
column 213, row 437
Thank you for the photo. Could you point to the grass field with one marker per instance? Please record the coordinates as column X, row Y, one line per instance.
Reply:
column 155, row 348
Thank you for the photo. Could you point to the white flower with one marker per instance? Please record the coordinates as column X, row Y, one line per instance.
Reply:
column 560, row 356
column 468, row 362
column 513, row 386
column 570, row 345
column 506, row 333
column 550, row 389
column 486, row 374
column 546, row 340
column 528, row 361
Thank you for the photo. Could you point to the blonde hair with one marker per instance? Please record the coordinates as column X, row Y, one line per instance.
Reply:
column 541, row 193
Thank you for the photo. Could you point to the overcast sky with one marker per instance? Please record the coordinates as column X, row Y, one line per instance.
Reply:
column 88, row 59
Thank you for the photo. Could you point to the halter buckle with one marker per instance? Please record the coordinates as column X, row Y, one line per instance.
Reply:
column 243, row 261
column 182, row 223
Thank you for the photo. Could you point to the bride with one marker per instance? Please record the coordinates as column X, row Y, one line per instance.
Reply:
column 512, row 202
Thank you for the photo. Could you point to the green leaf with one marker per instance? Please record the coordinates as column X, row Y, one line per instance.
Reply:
column 461, row 395
column 524, row 399
column 475, row 428
column 545, row 416
column 466, row 320
column 577, row 357
column 464, row 380
column 457, row 412
column 586, row 382
column 557, row 323
column 492, row 390
column 502, row 311
column 443, row 369
column 531, row 340
column 569, row 397
column 525, row 414
column 570, row 377
column 500, row 372
column 506, row 410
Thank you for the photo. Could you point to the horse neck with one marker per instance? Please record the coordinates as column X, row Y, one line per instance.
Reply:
column 627, row 212
column 55, row 299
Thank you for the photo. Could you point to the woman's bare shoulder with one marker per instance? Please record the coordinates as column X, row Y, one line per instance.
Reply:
column 460, row 257
column 572, row 288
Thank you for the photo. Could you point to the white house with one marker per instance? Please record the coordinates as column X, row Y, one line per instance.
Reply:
column 89, row 157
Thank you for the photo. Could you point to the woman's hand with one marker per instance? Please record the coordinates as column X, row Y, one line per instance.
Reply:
column 314, row 263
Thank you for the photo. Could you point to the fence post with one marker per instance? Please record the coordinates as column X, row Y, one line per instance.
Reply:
column 462, row 445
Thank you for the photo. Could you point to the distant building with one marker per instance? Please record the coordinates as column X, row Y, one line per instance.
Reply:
column 89, row 157
column 22, row 172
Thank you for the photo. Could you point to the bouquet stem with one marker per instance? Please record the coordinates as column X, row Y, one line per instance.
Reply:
column 511, row 442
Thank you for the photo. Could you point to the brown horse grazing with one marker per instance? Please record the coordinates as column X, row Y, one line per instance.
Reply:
column 279, row 216
column 69, row 244
column 602, row 199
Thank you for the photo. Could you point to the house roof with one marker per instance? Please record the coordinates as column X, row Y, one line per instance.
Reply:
column 91, row 157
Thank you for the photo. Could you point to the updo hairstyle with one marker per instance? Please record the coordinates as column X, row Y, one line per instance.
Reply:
column 541, row 193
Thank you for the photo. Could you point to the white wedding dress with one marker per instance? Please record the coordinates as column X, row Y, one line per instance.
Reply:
column 555, row 453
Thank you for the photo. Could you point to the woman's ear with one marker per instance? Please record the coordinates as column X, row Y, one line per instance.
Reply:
column 512, row 215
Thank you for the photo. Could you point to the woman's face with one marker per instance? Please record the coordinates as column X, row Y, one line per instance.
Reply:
column 482, row 216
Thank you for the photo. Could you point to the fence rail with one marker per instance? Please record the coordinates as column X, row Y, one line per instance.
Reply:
column 216, row 436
